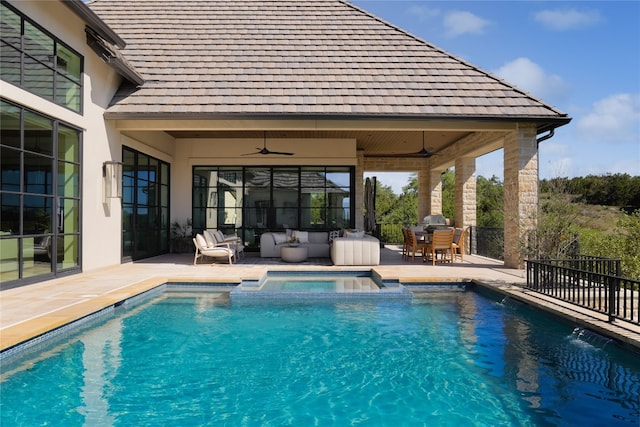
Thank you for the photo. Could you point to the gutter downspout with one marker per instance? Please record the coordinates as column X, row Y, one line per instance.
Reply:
column 545, row 137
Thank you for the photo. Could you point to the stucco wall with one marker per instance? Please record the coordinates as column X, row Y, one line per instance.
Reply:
column 100, row 225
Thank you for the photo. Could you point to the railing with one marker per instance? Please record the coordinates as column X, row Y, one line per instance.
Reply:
column 589, row 282
column 487, row 241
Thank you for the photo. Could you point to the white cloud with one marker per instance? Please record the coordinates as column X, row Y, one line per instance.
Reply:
column 423, row 13
column 554, row 160
column 615, row 119
column 567, row 19
column 529, row 76
column 458, row 23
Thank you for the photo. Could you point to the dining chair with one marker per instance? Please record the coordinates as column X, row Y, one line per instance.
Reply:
column 441, row 242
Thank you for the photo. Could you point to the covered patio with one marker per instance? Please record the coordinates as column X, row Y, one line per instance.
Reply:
column 320, row 84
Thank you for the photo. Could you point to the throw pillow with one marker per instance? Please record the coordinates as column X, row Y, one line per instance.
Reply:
column 279, row 238
column 354, row 234
column 302, row 236
column 334, row 234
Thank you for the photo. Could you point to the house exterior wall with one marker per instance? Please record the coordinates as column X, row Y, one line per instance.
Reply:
column 99, row 222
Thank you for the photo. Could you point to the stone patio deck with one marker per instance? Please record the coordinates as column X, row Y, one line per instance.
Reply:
column 29, row 311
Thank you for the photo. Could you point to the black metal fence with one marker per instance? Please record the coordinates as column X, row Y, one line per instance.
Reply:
column 487, row 241
column 589, row 282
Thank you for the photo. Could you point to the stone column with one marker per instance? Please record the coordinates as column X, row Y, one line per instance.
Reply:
column 465, row 193
column 520, row 191
column 429, row 191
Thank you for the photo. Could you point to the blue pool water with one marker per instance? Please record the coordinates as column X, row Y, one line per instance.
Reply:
column 450, row 359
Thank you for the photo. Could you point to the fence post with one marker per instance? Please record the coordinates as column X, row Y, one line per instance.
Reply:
column 614, row 283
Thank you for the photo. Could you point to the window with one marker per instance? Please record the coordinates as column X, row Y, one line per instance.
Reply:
column 39, row 196
column 145, row 205
column 38, row 62
column 250, row 200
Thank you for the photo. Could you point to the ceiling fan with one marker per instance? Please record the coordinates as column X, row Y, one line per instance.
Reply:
column 424, row 152
column 265, row 151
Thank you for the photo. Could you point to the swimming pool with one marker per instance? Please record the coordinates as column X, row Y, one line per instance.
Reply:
column 194, row 358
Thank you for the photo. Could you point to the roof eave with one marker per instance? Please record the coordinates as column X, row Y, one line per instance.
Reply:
column 97, row 24
column 544, row 123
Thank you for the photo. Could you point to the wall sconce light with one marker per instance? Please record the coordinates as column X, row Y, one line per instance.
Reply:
column 111, row 180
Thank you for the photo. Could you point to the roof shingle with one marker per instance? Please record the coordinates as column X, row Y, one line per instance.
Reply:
column 296, row 57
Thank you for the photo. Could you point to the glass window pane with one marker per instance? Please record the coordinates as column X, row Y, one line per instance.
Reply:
column 10, row 213
column 164, row 170
column 153, row 169
column 10, row 60
column 143, row 166
column 38, row 174
column 68, row 144
column 337, row 178
column 67, row 93
column 310, row 198
column 164, row 195
column 313, row 179
column 10, row 129
column 142, row 192
column 10, row 161
column 283, row 178
column 38, row 133
column 37, row 78
column 37, row 215
column 127, row 189
column 38, row 44
column 9, row 269
column 68, row 179
column 10, row 26
column 68, row 252
column 68, row 216
column 128, row 163
column 68, row 63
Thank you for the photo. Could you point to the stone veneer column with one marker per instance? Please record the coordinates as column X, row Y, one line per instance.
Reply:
column 429, row 191
column 520, row 191
column 359, row 190
column 465, row 193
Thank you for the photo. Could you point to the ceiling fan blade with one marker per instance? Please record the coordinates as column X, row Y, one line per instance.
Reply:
column 265, row 151
column 278, row 152
column 423, row 153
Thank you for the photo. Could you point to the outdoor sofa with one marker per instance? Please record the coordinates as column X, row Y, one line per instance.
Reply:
column 343, row 247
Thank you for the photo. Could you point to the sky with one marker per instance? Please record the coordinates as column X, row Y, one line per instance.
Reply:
column 581, row 57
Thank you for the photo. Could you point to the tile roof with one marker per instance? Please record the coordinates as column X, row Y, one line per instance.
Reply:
column 304, row 58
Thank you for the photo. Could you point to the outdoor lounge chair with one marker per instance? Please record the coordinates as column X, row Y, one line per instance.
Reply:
column 219, row 250
column 214, row 237
column 441, row 242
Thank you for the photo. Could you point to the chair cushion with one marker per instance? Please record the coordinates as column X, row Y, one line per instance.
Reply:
column 210, row 238
column 219, row 236
column 201, row 241
column 302, row 236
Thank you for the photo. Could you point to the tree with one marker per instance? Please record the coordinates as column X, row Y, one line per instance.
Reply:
column 490, row 202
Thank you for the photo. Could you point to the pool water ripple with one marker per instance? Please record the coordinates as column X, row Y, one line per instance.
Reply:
column 453, row 360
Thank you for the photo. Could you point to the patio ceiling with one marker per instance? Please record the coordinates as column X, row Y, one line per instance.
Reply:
column 373, row 143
